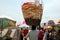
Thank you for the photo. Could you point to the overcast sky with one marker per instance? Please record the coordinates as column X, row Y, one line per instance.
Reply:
column 12, row 8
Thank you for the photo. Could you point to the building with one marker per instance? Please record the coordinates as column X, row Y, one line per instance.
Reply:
column 6, row 22
column 13, row 33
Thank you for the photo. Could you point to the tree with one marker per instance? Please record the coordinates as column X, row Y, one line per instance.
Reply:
column 51, row 22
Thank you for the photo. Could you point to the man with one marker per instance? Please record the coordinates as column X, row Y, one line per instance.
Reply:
column 33, row 34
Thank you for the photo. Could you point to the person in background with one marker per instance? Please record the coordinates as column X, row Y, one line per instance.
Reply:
column 25, row 32
column 58, row 35
column 21, row 34
column 33, row 34
column 53, row 34
column 40, row 34
column 46, row 35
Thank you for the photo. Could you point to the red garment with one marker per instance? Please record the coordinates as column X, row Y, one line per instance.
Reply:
column 41, row 34
column 25, row 32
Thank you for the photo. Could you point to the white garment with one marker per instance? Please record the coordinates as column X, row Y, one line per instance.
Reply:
column 37, row 2
column 44, row 37
column 33, row 35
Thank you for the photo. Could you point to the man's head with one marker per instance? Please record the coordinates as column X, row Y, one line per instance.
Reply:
column 33, row 27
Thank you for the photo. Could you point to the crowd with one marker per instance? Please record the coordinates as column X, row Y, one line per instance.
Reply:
column 41, row 34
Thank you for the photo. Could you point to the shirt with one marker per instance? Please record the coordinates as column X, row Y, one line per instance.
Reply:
column 25, row 32
column 41, row 34
column 33, row 35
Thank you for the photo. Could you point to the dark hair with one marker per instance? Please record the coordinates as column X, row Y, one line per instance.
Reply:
column 21, row 28
column 41, row 28
column 44, row 23
column 33, row 27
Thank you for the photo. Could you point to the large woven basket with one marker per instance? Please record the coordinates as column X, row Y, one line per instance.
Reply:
column 31, row 13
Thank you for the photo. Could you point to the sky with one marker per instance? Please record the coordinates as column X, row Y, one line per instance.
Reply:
column 12, row 9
